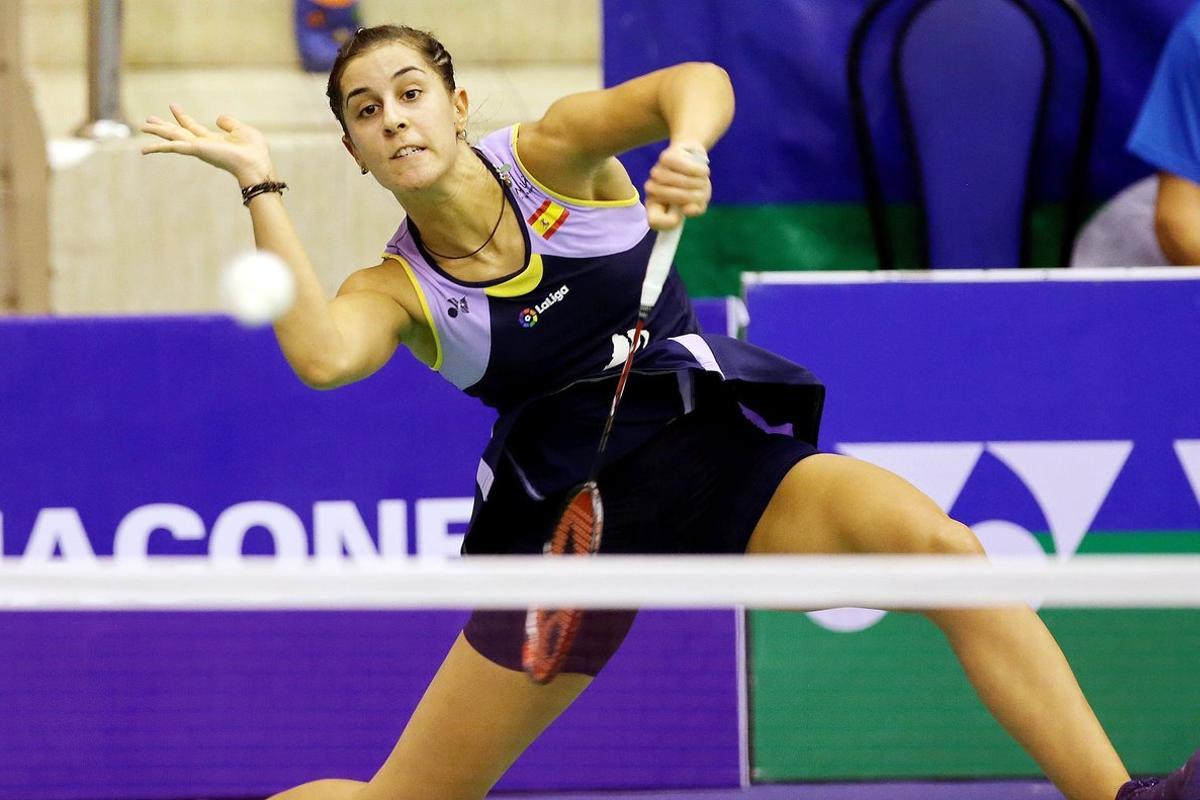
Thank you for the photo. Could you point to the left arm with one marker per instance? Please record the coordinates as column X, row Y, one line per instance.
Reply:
column 1177, row 219
column 573, row 146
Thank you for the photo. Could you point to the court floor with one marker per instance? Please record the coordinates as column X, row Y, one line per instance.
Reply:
column 908, row 790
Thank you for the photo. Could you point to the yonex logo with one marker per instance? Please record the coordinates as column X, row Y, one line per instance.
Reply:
column 456, row 305
column 528, row 317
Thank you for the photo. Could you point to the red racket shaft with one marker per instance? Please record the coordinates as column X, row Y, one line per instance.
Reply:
column 657, row 269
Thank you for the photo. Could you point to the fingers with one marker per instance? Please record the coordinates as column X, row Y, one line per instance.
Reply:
column 663, row 218
column 163, row 130
column 176, row 138
column 186, row 122
column 671, row 189
column 171, row 131
column 234, row 147
column 182, row 148
column 186, row 127
column 679, row 186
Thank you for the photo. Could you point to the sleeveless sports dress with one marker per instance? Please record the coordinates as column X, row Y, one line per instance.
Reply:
column 685, row 471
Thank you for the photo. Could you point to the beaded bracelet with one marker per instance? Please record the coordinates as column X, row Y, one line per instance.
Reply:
column 250, row 192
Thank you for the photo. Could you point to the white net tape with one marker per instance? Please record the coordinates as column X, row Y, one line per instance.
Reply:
column 796, row 582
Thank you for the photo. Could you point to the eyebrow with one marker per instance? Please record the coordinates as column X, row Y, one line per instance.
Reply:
column 362, row 89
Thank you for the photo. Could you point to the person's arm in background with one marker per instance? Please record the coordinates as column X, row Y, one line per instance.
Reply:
column 1167, row 136
column 1177, row 219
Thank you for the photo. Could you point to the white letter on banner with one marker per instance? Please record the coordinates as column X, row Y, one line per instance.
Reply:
column 434, row 517
column 132, row 538
column 1069, row 480
column 339, row 529
column 285, row 527
column 939, row 469
column 393, row 529
column 1188, row 451
column 59, row 529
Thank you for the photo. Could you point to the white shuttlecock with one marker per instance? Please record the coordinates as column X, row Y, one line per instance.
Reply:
column 257, row 288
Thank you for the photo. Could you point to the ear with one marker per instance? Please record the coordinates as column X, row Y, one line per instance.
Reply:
column 352, row 150
column 462, row 107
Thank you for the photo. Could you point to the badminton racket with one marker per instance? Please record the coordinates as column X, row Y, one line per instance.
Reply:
column 549, row 633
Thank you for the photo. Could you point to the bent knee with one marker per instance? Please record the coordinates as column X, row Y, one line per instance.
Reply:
column 952, row 538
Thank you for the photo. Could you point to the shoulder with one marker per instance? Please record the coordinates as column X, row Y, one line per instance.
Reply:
column 387, row 276
column 388, row 288
column 390, row 279
column 548, row 154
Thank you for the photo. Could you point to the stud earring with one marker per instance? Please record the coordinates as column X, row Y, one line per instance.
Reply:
column 365, row 170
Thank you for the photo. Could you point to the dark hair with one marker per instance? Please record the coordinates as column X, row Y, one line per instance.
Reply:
column 368, row 39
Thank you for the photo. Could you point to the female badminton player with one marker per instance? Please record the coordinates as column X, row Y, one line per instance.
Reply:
column 516, row 274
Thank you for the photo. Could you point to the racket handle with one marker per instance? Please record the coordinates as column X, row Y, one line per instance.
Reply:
column 661, row 256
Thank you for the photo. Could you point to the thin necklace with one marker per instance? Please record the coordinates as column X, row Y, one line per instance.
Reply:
column 496, row 227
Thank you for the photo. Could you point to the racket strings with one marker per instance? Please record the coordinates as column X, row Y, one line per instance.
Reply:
column 550, row 633
column 579, row 528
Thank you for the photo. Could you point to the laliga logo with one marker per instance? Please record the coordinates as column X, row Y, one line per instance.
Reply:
column 1068, row 480
column 528, row 317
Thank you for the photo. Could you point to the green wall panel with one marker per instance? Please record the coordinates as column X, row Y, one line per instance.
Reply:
column 729, row 240
column 892, row 702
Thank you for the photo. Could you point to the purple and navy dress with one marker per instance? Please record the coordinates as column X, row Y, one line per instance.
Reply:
column 544, row 345
column 684, row 472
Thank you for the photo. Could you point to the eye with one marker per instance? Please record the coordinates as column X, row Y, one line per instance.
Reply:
column 411, row 94
column 368, row 110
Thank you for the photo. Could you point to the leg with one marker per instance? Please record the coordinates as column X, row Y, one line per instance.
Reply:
column 473, row 722
column 833, row 504
column 323, row 790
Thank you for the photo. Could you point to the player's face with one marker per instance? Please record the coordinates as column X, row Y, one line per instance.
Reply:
column 402, row 122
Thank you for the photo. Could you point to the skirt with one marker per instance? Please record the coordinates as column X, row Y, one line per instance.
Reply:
column 698, row 486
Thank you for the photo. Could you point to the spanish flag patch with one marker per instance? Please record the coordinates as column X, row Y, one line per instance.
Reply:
column 548, row 218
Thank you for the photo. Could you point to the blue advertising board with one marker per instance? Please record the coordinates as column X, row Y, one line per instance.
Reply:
column 186, row 436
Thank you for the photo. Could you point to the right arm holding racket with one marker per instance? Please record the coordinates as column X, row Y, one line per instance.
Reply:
column 573, row 146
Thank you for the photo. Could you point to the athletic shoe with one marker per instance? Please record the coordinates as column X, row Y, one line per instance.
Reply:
column 1182, row 784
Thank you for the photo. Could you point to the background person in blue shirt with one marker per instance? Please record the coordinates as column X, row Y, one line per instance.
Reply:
column 1167, row 135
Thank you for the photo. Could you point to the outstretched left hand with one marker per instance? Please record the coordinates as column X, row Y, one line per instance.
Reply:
column 679, row 185
column 235, row 147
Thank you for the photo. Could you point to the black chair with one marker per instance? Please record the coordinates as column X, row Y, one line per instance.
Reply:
column 972, row 79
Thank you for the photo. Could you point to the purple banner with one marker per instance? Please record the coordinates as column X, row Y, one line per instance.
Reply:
column 190, row 436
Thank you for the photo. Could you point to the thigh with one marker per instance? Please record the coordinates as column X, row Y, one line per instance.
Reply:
column 831, row 504
column 474, row 720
